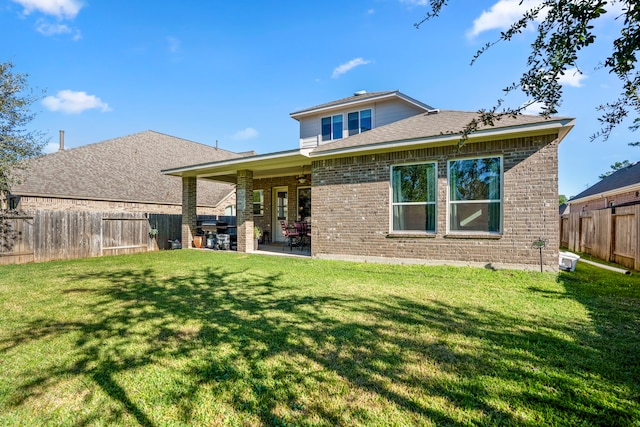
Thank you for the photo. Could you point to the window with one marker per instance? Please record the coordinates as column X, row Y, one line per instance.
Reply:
column 332, row 127
column 414, row 197
column 475, row 195
column 230, row 210
column 359, row 121
column 258, row 202
column 304, row 203
column 12, row 202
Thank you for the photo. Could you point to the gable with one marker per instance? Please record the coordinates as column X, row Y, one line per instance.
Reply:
column 353, row 115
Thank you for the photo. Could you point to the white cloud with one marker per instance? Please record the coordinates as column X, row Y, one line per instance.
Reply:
column 348, row 66
column 51, row 147
column 245, row 134
column 501, row 15
column 72, row 102
column 173, row 44
column 535, row 108
column 416, row 2
column 63, row 9
column 47, row 29
column 572, row 77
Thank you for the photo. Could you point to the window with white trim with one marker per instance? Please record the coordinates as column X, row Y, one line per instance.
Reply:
column 359, row 121
column 258, row 202
column 413, row 203
column 332, row 127
column 475, row 195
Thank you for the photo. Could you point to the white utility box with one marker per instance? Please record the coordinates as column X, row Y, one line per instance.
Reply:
column 568, row 261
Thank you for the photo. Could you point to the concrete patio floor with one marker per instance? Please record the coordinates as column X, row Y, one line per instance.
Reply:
column 276, row 248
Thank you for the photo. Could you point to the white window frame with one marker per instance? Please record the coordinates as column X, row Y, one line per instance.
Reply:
column 261, row 203
column 501, row 200
column 392, row 204
column 359, row 120
column 333, row 127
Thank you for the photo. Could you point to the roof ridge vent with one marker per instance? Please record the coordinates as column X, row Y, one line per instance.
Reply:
column 360, row 92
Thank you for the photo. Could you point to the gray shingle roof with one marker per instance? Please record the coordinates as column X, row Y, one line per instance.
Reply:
column 124, row 169
column 361, row 98
column 424, row 125
column 619, row 179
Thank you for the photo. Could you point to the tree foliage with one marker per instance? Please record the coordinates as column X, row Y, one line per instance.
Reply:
column 564, row 28
column 17, row 143
column 615, row 167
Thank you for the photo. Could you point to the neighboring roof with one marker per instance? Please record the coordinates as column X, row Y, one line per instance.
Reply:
column 440, row 124
column 123, row 169
column 360, row 98
column 563, row 208
column 620, row 179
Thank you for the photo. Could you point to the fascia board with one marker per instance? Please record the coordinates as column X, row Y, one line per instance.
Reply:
column 259, row 162
column 615, row 191
column 355, row 102
column 451, row 139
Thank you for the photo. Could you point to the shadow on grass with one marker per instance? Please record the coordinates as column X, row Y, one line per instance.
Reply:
column 278, row 357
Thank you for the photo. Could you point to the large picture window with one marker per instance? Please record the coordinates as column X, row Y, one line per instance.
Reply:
column 475, row 195
column 414, row 197
column 258, row 202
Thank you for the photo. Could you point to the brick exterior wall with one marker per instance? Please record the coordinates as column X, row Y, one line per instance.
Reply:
column 189, row 216
column 605, row 202
column 351, row 208
column 265, row 221
column 244, row 194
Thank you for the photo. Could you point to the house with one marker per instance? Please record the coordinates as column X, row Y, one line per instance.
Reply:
column 382, row 178
column 120, row 175
column 620, row 188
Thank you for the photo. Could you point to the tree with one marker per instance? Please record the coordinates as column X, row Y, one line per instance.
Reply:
column 615, row 167
column 17, row 143
column 562, row 199
column 564, row 28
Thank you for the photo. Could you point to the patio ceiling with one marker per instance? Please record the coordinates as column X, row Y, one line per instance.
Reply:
column 284, row 163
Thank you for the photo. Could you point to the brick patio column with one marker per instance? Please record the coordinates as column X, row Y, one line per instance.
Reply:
column 189, row 215
column 244, row 211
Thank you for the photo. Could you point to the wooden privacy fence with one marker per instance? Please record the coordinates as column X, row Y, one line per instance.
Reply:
column 55, row 235
column 608, row 234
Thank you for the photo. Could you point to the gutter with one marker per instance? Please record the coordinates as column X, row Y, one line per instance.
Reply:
column 604, row 194
column 563, row 126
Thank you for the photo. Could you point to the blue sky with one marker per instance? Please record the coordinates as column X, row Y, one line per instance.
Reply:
column 232, row 72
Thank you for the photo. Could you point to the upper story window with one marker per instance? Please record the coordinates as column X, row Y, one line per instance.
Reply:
column 332, row 127
column 414, row 197
column 359, row 121
column 475, row 195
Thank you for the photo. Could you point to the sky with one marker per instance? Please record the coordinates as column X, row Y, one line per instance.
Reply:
column 231, row 72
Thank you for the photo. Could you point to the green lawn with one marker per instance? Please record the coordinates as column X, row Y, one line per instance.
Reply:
column 183, row 338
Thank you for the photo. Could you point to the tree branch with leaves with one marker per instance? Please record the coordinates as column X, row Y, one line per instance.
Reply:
column 563, row 29
column 17, row 142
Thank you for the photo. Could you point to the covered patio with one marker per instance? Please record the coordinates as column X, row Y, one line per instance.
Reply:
column 271, row 189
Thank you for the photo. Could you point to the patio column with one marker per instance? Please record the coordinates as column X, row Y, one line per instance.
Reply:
column 189, row 214
column 244, row 210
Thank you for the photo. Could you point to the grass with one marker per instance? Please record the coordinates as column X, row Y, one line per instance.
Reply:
column 184, row 338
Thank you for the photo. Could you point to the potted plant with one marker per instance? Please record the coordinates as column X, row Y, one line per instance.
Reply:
column 257, row 234
column 153, row 233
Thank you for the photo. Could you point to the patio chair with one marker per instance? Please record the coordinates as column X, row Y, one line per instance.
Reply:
column 289, row 233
